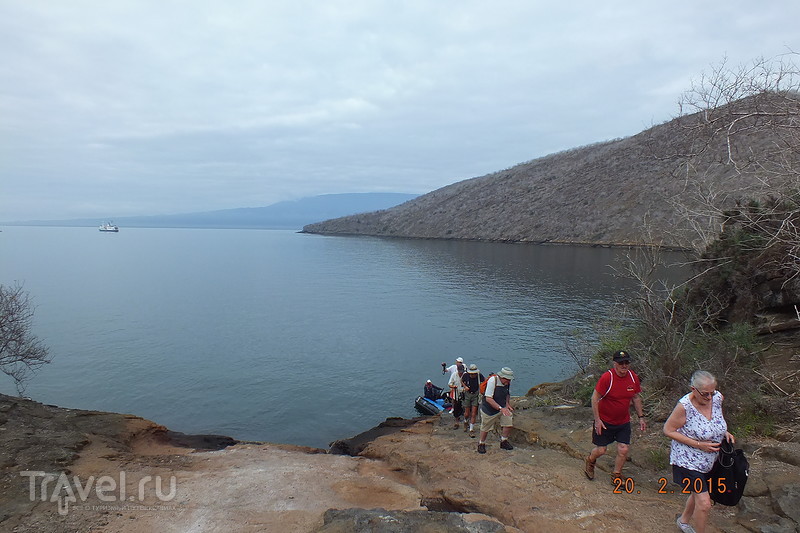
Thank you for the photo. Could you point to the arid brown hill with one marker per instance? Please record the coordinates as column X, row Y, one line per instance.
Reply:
column 605, row 193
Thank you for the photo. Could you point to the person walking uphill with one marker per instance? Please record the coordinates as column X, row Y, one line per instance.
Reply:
column 457, row 394
column 611, row 402
column 471, row 379
column 696, row 427
column 496, row 410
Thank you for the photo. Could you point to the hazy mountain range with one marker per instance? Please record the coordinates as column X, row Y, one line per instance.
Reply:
column 282, row 215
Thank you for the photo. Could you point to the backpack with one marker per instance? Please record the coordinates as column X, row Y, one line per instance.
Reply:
column 729, row 475
column 611, row 382
column 484, row 382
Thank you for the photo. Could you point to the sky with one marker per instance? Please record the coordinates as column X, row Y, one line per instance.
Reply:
column 144, row 107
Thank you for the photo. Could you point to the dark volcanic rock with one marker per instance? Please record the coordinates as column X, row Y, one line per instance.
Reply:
column 355, row 445
column 382, row 521
column 199, row 442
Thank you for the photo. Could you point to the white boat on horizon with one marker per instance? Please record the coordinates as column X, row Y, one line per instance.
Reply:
column 109, row 226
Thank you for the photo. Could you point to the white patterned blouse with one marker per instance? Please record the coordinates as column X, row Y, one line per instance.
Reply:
column 699, row 428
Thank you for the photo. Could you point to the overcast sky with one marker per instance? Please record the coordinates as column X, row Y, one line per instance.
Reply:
column 115, row 107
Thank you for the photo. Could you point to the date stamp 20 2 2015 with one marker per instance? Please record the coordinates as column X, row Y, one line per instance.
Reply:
column 627, row 485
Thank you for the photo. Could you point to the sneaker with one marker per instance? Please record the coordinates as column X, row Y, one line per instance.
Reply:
column 504, row 444
column 466, row 427
column 588, row 468
column 686, row 528
column 456, row 425
column 481, row 448
column 472, row 434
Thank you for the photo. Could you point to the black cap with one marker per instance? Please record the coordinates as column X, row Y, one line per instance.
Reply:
column 621, row 356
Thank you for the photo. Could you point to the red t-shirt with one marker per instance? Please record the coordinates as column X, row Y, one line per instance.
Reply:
column 615, row 407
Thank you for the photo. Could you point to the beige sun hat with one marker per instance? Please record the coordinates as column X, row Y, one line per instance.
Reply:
column 506, row 373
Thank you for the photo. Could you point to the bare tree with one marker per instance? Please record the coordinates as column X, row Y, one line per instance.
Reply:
column 21, row 353
column 738, row 156
column 740, row 143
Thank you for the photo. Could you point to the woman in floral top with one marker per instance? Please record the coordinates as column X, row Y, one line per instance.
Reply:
column 696, row 427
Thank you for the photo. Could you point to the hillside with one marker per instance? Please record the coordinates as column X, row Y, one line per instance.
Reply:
column 604, row 193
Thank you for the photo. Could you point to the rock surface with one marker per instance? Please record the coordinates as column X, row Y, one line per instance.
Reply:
column 425, row 476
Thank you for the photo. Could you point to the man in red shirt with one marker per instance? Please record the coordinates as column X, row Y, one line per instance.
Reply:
column 611, row 403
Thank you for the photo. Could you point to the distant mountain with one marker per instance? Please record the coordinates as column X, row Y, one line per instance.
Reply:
column 602, row 194
column 292, row 214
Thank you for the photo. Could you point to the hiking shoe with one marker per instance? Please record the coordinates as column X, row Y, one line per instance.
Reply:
column 588, row 468
column 686, row 528
column 472, row 434
column 617, row 479
column 466, row 427
column 504, row 444
column 481, row 448
column 456, row 426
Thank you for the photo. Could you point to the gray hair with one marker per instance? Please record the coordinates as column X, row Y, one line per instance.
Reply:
column 701, row 377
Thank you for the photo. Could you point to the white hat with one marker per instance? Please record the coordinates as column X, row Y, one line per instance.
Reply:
column 429, row 381
column 459, row 360
column 473, row 369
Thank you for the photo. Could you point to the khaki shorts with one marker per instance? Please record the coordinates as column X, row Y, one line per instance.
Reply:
column 472, row 399
column 489, row 422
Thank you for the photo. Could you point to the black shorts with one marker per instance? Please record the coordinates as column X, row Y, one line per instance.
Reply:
column 612, row 433
column 691, row 481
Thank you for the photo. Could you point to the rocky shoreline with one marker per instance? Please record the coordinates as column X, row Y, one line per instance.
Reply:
column 127, row 474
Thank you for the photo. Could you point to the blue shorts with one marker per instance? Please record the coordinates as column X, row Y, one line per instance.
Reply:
column 612, row 433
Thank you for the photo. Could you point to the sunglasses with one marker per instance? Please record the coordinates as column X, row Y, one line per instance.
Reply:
column 623, row 363
column 705, row 395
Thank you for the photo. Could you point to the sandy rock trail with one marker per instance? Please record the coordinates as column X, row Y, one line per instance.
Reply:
column 253, row 488
column 126, row 474
column 532, row 488
column 267, row 488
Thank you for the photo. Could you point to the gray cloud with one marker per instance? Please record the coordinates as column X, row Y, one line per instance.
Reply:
column 142, row 107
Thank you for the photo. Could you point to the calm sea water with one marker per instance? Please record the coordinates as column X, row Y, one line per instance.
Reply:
column 285, row 337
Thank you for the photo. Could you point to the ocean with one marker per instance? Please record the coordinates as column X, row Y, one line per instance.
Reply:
column 274, row 335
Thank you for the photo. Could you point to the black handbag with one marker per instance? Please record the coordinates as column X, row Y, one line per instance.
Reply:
column 729, row 475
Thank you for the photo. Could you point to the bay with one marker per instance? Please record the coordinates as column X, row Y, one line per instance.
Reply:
column 273, row 335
